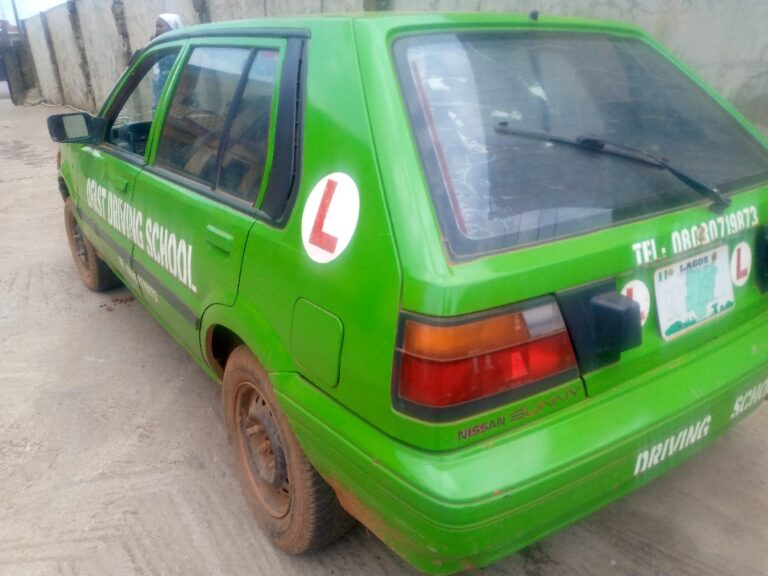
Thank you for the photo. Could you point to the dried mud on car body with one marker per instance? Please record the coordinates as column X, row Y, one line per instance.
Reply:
column 113, row 455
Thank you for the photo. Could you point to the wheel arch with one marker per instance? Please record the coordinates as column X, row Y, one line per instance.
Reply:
column 66, row 174
column 220, row 342
column 224, row 328
column 63, row 188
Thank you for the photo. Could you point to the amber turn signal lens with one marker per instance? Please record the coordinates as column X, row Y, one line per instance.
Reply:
column 462, row 340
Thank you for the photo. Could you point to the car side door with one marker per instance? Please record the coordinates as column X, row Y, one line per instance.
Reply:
column 108, row 171
column 210, row 165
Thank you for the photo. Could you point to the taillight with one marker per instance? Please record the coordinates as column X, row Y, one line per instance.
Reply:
column 58, row 158
column 454, row 367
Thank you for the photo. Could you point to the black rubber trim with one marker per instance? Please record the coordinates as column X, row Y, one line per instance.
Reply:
column 601, row 322
column 761, row 258
column 119, row 250
column 184, row 311
column 284, row 174
column 459, row 411
column 175, row 302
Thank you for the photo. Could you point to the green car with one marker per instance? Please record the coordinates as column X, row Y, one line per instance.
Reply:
column 463, row 278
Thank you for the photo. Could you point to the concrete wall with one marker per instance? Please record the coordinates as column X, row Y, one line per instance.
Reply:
column 220, row 10
column 47, row 72
column 94, row 39
column 725, row 42
column 140, row 17
column 70, row 58
column 104, row 47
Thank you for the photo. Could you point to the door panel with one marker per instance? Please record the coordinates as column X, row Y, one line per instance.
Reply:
column 198, row 196
column 185, row 265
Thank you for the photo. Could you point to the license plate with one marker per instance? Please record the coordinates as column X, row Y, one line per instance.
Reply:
column 693, row 291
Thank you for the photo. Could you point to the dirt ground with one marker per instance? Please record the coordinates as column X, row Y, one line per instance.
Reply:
column 113, row 457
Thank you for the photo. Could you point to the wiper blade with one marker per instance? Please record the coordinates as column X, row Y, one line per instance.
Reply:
column 594, row 144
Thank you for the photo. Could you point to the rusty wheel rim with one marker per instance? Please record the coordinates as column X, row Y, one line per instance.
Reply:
column 261, row 449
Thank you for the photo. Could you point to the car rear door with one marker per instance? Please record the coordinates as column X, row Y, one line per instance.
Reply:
column 203, row 189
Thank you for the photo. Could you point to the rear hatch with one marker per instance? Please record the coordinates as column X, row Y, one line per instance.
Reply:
column 585, row 182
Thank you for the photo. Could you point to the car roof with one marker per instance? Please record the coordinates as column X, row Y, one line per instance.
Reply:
column 388, row 23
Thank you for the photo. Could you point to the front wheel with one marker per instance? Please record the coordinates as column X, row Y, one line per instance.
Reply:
column 294, row 505
column 93, row 271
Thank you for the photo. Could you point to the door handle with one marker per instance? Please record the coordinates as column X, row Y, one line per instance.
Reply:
column 121, row 184
column 219, row 239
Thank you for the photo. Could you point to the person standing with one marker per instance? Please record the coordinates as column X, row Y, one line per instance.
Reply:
column 166, row 23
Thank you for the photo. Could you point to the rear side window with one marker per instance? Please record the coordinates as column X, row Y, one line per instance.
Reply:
column 246, row 149
column 491, row 113
column 197, row 116
column 220, row 119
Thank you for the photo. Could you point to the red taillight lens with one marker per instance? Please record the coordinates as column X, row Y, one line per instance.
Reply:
column 450, row 364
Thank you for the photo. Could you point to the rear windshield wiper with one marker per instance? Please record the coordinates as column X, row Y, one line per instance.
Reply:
column 594, row 144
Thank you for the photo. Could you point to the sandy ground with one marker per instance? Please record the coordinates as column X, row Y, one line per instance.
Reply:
column 113, row 458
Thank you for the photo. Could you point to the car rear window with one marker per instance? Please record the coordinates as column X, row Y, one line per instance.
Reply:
column 493, row 112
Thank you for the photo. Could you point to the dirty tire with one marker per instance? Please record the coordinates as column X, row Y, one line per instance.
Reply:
column 297, row 509
column 93, row 271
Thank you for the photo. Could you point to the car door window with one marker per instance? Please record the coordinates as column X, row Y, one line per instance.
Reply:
column 197, row 116
column 245, row 155
column 132, row 118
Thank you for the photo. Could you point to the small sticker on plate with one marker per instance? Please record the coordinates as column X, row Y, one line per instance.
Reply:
column 693, row 291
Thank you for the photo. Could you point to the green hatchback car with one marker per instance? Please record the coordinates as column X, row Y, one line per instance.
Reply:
column 464, row 278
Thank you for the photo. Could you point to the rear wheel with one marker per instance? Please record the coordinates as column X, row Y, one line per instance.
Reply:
column 294, row 505
column 93, row 271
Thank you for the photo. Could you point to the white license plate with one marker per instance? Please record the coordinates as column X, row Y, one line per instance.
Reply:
column 692, row 291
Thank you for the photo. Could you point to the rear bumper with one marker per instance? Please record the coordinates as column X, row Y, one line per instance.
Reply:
column 445, row 512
